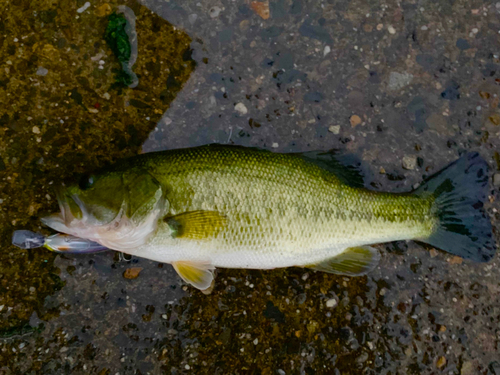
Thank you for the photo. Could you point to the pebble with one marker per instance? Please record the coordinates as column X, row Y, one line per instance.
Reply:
column 83, row 8
column 399, row 80
column 391, row 30
column 241, row 108
column 468, row 368
column 331, row 303
column 214, row 12
column 409, row 162
column 103, row 10
column 433, row 253
column 441, row 362
column 380, row 26
column 132, row 273
column 327, row 50
column 261, row 8
column 41, row 71
column 192, row 18
column 256, row 341
column 275, row 145
column 496, row 179
column 455, row 260
column 355, row 120
column 335, row 129
column 36, row 129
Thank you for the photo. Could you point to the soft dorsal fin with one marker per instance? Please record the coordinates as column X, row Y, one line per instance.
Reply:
column 345, row 166
column 354, row 261
column 196, row 225
column 199, row 275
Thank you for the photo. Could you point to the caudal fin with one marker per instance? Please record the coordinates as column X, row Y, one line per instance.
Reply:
column 464, row 228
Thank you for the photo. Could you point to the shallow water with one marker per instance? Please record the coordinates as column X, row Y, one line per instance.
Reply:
column 406, row 87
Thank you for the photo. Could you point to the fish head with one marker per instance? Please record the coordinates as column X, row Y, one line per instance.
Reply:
column 118, row 209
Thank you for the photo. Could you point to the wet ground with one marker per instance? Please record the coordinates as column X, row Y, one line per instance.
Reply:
column 407, row 86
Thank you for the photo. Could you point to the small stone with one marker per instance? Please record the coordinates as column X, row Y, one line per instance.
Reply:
column 383, row 291
column 256, row 341
column 83, row 8
column 496, row 179
column 192, row 18
column 433, row 253
column 36, row 129
column 132, row 273
column 244, row 25
column 409, row 162
column 468, row 368
column 391, row 30
column 495, row 119
column 455, row 260
column 424, row 28
column 327, row 50
column 103, row 10
column 484, row 94
column 275, row 145
column 106, row 96
column 381, row 170
column 441, row 362
column 41, row 71
column 331, row 303
column 355, row 120
column 399, row 80
column 32, row 289
column 442, row 329
column 261, row 8
column 335, row 129
column 241, row 108
column 93, row 110
column 214, row 12
column 380, row 26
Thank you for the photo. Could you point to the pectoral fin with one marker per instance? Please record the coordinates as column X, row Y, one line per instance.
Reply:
column 354, row 261
column 196, row 225
column 199, row 275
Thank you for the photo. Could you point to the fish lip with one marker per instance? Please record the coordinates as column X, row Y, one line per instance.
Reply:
column 60, row 221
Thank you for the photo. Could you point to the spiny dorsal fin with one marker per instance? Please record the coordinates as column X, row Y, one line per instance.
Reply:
column 196, row 225
column 199, row 275
column 354, row 261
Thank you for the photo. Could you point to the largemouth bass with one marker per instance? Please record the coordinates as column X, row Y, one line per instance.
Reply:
column 227, row 206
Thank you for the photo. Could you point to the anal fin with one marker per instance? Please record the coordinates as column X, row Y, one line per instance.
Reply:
column 354, row 261
column 199, row 275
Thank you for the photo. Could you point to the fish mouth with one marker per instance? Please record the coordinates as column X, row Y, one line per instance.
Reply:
column 71, row 212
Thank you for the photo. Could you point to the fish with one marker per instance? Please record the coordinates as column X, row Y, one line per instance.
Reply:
column 220, row 206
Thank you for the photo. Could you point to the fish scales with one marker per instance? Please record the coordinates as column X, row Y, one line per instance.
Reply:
column 281, row 209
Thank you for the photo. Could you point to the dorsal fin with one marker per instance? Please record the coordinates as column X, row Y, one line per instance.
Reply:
column 345, row 166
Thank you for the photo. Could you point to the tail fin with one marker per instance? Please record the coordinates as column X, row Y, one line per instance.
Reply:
column 464, row 228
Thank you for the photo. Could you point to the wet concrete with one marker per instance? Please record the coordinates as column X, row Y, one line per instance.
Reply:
column 408, row 87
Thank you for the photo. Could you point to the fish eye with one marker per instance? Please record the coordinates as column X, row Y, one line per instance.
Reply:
column 86, row 182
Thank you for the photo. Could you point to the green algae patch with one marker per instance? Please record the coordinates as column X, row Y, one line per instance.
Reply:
column 117, row 38
column 63, row 114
